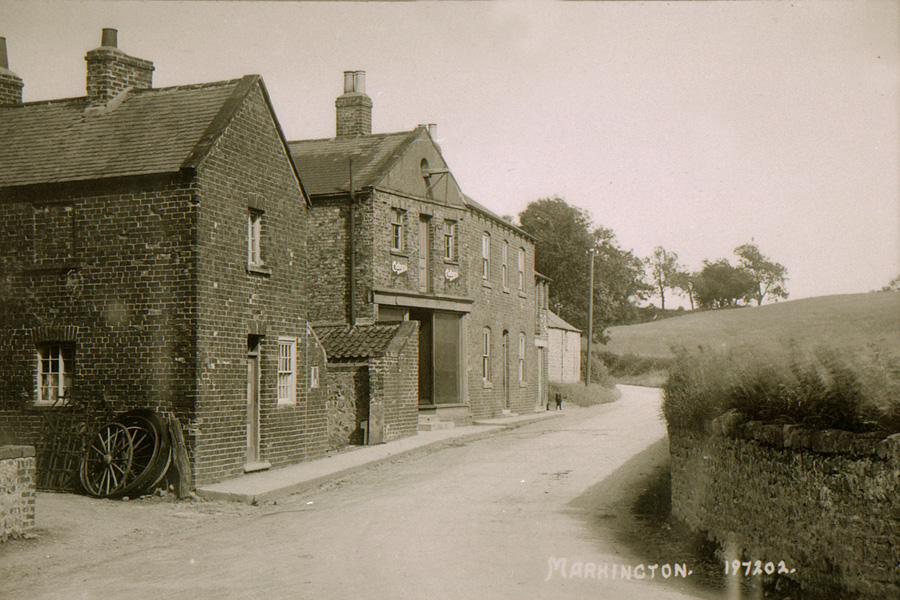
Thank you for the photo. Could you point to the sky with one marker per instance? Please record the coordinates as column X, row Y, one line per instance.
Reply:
column 697, row 126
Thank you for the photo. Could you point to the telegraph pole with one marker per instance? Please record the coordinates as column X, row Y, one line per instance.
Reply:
column 587, row 377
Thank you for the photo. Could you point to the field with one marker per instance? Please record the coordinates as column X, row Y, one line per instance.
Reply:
column 846, row 322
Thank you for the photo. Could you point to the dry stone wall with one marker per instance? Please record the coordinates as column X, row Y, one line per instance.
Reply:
column 16, row 491
column 826, row 503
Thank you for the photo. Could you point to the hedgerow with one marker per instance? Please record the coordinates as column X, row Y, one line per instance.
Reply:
column 823, row 388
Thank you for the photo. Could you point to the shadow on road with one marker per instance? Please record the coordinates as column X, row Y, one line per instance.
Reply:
column 630, row 508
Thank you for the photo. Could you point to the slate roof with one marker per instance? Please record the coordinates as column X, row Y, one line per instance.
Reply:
column 344, row 343
column 159, row 130
column 491, row 214
column 324, row 163
column 555, row 322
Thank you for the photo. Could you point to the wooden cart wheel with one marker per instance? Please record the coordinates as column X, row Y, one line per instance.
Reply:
column 106, row 465
column 152, row 451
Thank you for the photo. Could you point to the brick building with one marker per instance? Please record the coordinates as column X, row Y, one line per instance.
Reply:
column 397, row 241
column 153, row 252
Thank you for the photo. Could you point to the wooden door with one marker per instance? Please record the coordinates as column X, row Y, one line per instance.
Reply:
column 252, row 399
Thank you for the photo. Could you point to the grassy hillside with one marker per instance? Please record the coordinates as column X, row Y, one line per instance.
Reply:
column 846, row 321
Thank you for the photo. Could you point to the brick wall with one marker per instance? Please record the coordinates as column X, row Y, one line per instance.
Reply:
column 827, row 503
column 386, row 261
column 394, row 381
column 115, row 282
column 500, row 309
column 248, row 171
column 17, row 480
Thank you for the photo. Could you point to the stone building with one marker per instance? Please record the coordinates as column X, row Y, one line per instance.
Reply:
column 397, row 241
column 153, row 253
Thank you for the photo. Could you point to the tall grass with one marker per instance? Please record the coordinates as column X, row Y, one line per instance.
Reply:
column 824, row 388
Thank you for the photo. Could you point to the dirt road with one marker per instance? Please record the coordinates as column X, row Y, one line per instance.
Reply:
column 521, row 514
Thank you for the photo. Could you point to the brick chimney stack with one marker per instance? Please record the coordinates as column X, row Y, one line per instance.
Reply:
column 10, row 83
column 109, row 71
column 353, row 107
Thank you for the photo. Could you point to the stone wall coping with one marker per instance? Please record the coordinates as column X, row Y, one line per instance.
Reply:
column 10, row 452
column 800, row 437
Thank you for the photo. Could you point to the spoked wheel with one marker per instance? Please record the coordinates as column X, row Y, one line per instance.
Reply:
column 106, row 465
column 152, row 451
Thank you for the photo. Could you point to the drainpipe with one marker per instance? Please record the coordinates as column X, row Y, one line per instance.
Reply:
column 352, row 248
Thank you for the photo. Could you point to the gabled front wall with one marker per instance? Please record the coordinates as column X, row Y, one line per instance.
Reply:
column 246, row 171
column 400, row 270
column 107, row 268
column 501, row 308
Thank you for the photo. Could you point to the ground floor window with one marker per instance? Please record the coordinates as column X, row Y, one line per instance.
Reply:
column 486, row 354
column 54, row 374
column 287, row 359
column 521, row 357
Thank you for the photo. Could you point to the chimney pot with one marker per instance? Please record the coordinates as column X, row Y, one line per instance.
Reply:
column 359, row 82
column 10, row 83
column 109, row 38
column 348, row 82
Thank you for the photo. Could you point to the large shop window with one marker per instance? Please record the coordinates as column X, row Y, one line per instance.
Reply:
column 439, row 356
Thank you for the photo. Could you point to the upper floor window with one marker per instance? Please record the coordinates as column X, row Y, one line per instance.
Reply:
column 504, row 264
column 397, row 229
column 450, row 240
column 254, row 238
column 486, row 256
column 54, row 375
column 287, row 359
column 521, row 269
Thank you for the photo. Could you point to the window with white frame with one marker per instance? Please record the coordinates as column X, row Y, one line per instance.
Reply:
column 397, row 233
column 521, row 269
column 54, row 373
column 254, row 238
column 486, row 354
column 521, row 357
column 287, row 359
column 504, row 264
column 450, row 240
column 314, row 377
column 486, row 256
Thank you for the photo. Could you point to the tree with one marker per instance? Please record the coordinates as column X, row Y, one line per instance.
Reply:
column 893, row 286
column 564, row 237
column 663, row 266
column 683, row 281
column 720, row 285
column 768, row 276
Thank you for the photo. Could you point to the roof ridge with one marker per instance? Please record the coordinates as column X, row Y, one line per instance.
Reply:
column 192, row 86
column 353, row 139
column 135, row 91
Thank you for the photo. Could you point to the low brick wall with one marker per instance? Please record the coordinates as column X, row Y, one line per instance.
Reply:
column 16, row 491
column 827, row 503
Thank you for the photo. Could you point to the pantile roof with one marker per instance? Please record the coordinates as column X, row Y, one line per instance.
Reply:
column 158, row 130
column 324, row 163
column 344, row 343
